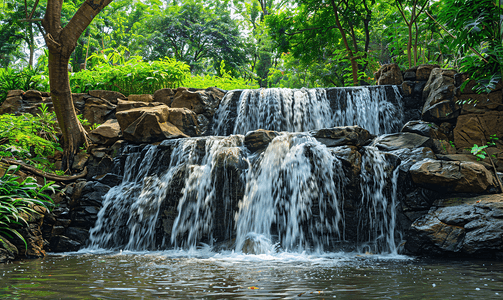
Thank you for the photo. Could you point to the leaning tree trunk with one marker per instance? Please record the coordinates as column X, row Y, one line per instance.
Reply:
column 74, row 135
column 61, row 42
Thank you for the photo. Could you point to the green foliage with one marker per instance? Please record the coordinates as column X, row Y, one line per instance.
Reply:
column 476, row 24
column 17, row 201
column 111, row 71
column 225, row 82
column 31, row 138
column 479, row 151
column 26, row 79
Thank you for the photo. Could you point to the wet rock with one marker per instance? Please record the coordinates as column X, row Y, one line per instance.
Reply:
column 259, row 139
column 443, row 147
column 440, row 104
column 351, row 160
column 92, row 193
column 346, row 135
column 480, row 103
column 99, row 166
column 231, row 157
column 409, row 75
column 467, row 225
column 106, row 134
column 111, row 179
column 185, row 120
column 426, row 129
column 451, row 176
column 164, row 96
column 8, row 252
column 110, row 96
column 79, row 235
column 389, row 74
column 141, row 98
column 395, row 141
column 62, row 243
column 409, row 156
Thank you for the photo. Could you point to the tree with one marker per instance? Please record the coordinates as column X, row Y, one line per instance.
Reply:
column 61, row 42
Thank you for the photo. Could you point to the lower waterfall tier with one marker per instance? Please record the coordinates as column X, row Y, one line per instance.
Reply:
column 313, row 191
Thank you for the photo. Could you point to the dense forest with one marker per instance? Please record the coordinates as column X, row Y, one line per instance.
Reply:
column 138, row 46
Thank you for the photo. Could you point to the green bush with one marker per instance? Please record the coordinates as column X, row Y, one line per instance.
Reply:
column 18, row 199
column 26, row 79
column 134, row 76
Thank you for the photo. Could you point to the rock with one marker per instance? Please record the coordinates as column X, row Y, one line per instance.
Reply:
column 389, row 74
column 480, row 103
column 98, row 111
column 452, row 176
column 92, row 193
column 127, row 105
column 11, row 105
column 443, row 147
column 230, row 157
column 467, row 225
column 351, row 160
column 8, row 252
column 409, row 156
column 185, row 120
column 395, row 141
column 80, row 161
column 164, row 96
column 475, row 129
column 425, row 129
column 147, row 125
column 439, row 94
column 410, row 75
column 141, row 98
column 423, row 71
column 106, row 134
column 259, row 139
column 110, row 96
column 194, row 101
column 464, row 157
column 14, row 93
column 111, row 179
column 33, row 94
column 340, row 136
column 62, row 243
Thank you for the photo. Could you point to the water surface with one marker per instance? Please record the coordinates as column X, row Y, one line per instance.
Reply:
column 207, row 275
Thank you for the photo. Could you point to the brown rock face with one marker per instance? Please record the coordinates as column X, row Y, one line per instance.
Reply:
column 106, row 134
column 427, row 129
column 452, row 176
column 479, row 103
column 389, row 74
column 340, row 136
column 147, row 124
column 110, row 96
column 127, row 105
column 98, row 110
column 440, row 104
column 259, row 139
column 164, row 96
column 423, row 71
column 476, row 128
column 12, row 104
column 192, row 100
column 141, row 98
column 185, row 120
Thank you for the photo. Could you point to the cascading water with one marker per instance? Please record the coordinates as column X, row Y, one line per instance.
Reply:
column 294, row 190
column 292, row 193
column 308, row 109
column 377, row 212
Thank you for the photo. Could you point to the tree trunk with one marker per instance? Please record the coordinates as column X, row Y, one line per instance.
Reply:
column 61, row 43
column 409, row 46
column 74, row 135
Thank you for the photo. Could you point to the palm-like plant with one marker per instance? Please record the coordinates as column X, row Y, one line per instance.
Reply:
column 18, row 200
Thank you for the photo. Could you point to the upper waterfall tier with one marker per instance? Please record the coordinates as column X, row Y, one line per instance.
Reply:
column 378, row 109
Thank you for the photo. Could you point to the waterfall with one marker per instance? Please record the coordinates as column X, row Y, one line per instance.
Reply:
column 292, row 194
column 294, row 190
column 301, row 110
column 377, row 212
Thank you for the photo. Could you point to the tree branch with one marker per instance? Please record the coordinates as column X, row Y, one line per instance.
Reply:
column 52, row 18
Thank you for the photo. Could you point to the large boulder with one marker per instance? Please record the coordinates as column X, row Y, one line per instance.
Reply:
column 452, row 176
column 463, row 226
column 423, row 71
column 141, row 98
column 345, row 135
column 106, row 134
column 476, row 129
column 126, row 105
column 147, row 124
column 259, row 139
column 395, row 141
column 164, row 96
column 389, row 74
column 98, row 110
column 426, row 129
column 8, row 252
column 194, row 101
column 440, row 104
column 185, row 120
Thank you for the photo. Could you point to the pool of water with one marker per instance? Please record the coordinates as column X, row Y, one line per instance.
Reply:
column 206, row 275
